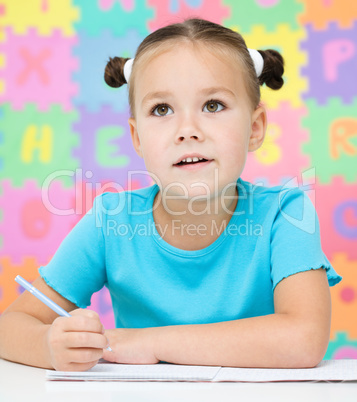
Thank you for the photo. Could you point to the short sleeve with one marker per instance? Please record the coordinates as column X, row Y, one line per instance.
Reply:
column 295, row 239
column 77, row 270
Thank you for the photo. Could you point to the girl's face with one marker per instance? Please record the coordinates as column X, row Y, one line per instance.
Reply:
column 194, row 122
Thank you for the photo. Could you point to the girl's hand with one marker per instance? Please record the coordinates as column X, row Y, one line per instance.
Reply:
column 76, row 343
column 131, row 346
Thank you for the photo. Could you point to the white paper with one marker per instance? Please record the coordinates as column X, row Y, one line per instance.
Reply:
column 152, row 372
column 327, row 370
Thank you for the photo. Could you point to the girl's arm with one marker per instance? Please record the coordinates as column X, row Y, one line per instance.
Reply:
column 296, row 336
column 32, row 334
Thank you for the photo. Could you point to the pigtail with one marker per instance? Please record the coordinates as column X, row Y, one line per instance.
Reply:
column 273, row 69
column 114, row 72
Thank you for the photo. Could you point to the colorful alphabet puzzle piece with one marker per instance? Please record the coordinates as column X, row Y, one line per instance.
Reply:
column 101, row 302
column 45, row 15
column 344, row 296
column 341, row 347
column 337, row 212
column 286, row 41
column 170, row 11
column 333, row 139
column 319, row 13
column 37, row 144
column 27, row 267
column 106, row 152
column 246, row 14
column 116, row 16
column 281, row 149
column 93, row 91
column 332, row 63
column 38, row 70
column 35, row 220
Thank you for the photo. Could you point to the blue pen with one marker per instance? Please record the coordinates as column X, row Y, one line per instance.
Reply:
column 51, row 304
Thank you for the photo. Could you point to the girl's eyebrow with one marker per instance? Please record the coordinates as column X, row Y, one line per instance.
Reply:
column 154, row 95
column 206, row 91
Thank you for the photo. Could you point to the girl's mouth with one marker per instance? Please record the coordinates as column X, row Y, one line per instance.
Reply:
column 191, row 161
column 194, row 164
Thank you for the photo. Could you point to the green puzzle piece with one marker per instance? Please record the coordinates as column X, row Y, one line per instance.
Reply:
column 36, row 144
column 333, row 139
column 115, row 19
column 246, row 14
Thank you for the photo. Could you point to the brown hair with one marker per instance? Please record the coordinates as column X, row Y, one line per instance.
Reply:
column 217, row 39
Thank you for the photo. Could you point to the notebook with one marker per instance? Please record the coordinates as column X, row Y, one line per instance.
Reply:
column 327, row 370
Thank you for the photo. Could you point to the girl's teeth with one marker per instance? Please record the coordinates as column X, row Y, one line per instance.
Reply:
column 189, row 160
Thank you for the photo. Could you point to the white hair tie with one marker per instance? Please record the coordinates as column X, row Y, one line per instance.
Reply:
column 127, row 69
column 254, row 54
column 257, row 60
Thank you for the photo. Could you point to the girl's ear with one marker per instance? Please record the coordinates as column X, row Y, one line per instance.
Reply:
column 135, row 136
column 259, row 126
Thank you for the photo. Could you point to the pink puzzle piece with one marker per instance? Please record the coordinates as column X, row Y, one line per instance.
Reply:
column 38, row 70
column 280, row 156
column 212, row 10
column 336, row 206
column 34, row 224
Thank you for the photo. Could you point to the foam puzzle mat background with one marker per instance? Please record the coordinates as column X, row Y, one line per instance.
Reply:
column 62, row 129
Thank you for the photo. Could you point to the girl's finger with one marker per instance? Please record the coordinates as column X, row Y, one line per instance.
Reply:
column 79, row 366
column 85, row 340
column 80, row 323
column 84, row 355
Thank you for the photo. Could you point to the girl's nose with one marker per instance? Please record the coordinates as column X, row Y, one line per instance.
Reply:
column 188, row 130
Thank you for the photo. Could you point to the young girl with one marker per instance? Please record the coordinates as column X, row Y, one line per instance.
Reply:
column 203, row 267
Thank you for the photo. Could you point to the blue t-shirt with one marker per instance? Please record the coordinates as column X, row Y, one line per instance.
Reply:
column 273, row 233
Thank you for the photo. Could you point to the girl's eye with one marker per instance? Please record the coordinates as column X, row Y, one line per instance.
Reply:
column 214, row 106
column 161, row 110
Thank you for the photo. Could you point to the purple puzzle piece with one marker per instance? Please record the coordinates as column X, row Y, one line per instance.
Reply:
column 332, row 63
column 106, row 152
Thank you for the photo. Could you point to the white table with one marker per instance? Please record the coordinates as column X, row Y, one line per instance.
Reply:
column 28, row 384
